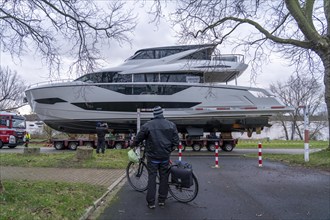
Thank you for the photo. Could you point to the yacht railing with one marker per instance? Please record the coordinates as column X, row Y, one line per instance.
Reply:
column 51, row 82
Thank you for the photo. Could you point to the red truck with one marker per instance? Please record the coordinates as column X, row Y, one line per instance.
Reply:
column 12, row 129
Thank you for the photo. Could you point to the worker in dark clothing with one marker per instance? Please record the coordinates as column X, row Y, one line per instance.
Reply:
column 101, row 131
column 161, row 138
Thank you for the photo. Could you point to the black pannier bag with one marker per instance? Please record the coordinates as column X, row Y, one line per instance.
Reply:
column 181, row 173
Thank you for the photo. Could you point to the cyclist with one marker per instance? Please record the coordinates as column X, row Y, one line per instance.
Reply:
column 161, row 138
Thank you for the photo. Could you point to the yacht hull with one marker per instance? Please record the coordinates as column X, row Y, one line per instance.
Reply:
column 76, row 107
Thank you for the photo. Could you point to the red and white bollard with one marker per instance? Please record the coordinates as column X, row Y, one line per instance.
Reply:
column 260, row 154
column 180, row 151
column 216, row 155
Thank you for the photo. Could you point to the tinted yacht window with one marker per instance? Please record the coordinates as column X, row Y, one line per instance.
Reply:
column 122, row 78
column 99, row 77
column 168, row 52
column 146, row 77
column 147, row 54
column 200, row 55
column 181, row 77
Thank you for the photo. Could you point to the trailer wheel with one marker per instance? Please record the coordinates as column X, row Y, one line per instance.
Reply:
column 58, row 145
column 228, row 147
column 211, row 147
column 118, row 146
column 1, row 144
column 249, row 132
column 73, row 145
column 88, row 144
column 196, row 147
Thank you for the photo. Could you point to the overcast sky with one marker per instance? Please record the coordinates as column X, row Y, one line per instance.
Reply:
column 146, row 35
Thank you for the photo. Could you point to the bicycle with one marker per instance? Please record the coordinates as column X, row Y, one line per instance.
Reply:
column 137, row 176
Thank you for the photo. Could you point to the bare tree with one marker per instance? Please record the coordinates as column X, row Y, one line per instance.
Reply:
column 296, row 29
column 11, row 90
column 299, row 91
column 48, row 131
column 54, row 29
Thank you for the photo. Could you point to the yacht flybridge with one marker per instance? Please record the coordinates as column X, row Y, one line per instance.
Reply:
column 189, row 82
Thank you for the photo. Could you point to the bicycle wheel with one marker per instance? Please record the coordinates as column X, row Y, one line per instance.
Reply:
column 137, row 176
column 183, row 194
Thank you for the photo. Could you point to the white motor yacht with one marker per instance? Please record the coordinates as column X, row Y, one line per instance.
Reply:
column 189, row 82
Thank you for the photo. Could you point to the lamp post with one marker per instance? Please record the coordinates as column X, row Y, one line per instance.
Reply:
column 306, row 132
column 138, row 123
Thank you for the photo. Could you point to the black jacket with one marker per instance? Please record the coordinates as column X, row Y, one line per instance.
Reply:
column 101, row 132
column 161, row 138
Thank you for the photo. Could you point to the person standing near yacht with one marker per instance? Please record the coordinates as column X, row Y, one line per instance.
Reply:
column 101, row 131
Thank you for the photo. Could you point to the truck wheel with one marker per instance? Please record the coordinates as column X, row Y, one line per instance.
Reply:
column 1, row 144
column 211, row 147
column 58, row 145
column 228, row 147
column 12, row 146
column 196, row 147
column 73, row 145
column 118, row 146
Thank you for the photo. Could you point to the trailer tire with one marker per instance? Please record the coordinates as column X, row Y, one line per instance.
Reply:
column 89, row 144
column 58, row 145
column 1, row 144
column 118, row 146
column 196, row 147
column 211, row 147
column 249, row 132
column 73, row 145
column 228, row 147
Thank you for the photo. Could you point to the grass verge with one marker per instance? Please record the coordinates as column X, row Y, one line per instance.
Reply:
column 53, row 200
column 280, row 144
column 319, row 160
column 46, row 200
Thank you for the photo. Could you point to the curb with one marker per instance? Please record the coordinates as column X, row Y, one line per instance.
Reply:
column 97, row 203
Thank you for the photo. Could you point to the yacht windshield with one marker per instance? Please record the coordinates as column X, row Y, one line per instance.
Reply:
column 160, row 52
column 154, row 54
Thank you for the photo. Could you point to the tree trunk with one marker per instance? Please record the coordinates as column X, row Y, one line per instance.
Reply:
column 293, row 129
column 2, row 188
column 325, row 56
column 285, row 129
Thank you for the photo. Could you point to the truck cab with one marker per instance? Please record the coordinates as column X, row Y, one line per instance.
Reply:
column 12, row 129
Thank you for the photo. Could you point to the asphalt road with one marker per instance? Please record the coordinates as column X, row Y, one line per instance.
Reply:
column 239, row 189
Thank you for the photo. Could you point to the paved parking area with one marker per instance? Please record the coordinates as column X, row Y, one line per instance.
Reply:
column 104, row 177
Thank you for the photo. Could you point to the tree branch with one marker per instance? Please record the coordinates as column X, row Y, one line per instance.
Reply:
column 268, row 35
column 304, row 23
